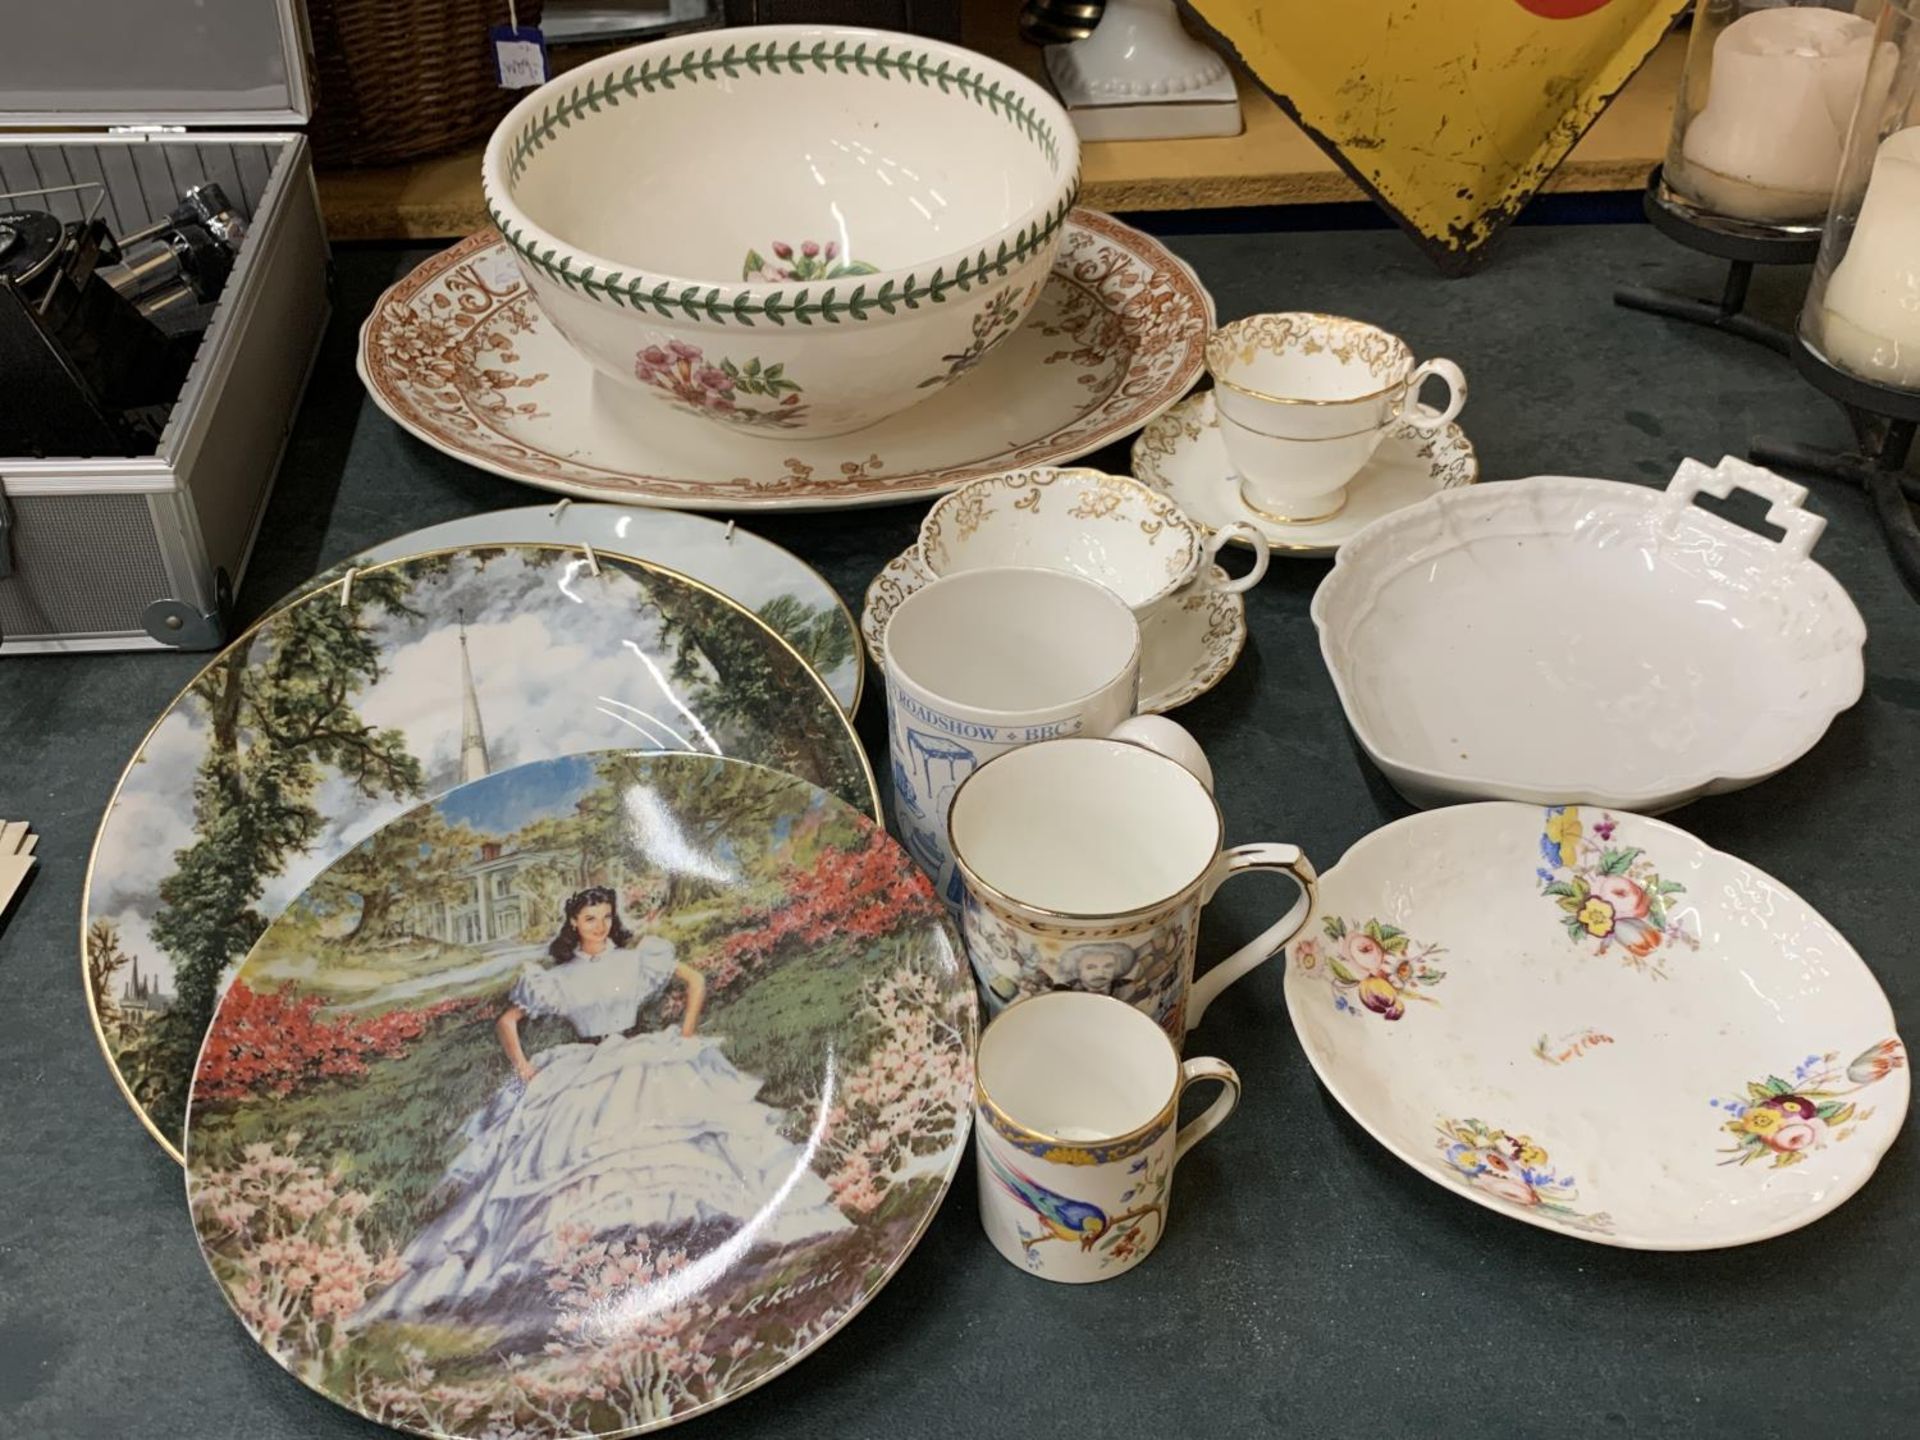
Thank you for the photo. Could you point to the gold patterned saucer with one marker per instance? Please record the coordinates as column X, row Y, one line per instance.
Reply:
column 1182, row 455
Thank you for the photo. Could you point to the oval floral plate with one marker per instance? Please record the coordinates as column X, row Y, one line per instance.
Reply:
column 339, row 711
column 633, row 1158
column 459, row 354
column 777, row 585
column 1594, row 1023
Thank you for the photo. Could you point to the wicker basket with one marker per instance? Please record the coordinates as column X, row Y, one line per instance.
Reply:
column 399, row 79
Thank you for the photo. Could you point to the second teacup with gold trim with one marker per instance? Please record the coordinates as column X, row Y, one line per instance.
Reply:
column 1304, row 400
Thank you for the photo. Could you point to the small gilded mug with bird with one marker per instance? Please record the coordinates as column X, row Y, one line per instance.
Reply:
column 1076, row 1096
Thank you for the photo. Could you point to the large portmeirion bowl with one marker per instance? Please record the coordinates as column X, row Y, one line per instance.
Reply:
column 791, row 230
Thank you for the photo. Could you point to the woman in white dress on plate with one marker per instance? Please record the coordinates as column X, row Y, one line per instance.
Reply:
column 617, row 1133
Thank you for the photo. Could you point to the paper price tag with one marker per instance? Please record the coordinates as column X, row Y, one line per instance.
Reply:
column 520, row 56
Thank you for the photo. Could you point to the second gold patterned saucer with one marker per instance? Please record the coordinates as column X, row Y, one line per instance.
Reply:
column 1182, row 455
column 1188, row 645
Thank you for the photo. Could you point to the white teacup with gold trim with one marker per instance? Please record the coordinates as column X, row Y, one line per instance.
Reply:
column 1107, row 528
column 1304, row 400
column 1076, row 1098
column 1087, row 863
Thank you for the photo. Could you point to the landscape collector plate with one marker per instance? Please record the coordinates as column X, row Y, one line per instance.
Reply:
column 344, row 708
column 460, row 355
column 1592, row 1022
column 613, row 1170
column 777, row 585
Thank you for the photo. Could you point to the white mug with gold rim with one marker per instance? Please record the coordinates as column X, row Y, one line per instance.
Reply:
column 1076, row 1097
column 1086, row 863
column 1304, row 400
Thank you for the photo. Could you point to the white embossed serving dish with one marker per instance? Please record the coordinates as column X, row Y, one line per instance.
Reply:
column 1591, row 1022
column 1566, row 639
column 785, row 229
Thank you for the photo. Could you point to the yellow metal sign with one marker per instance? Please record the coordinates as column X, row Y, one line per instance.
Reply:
column 1452, row 113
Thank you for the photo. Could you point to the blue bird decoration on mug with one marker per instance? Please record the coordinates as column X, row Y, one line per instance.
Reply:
column 1065, row 1219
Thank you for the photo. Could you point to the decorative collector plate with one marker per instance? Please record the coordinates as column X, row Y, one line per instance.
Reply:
column 459, row 354
column 664, row 1129
column 352, row 704
column 1181, row 454
column 777, row 585
column 1594, row 1023
column 1186, row 648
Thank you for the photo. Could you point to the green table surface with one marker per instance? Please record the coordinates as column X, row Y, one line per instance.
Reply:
column 1310, row 1284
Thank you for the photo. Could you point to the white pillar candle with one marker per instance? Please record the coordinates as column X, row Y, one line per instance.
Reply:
column 1871, row 311
column 1780, row 94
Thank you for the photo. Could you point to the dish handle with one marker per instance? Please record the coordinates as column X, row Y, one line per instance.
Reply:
column 1786, row 499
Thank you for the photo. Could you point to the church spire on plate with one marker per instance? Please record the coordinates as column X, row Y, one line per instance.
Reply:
column 473, row 738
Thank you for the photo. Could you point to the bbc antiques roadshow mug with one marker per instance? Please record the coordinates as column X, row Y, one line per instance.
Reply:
column 1086, row 864
column 1108, row 528
column 979, row 663
column 1304, row 400
column 1076, row 1098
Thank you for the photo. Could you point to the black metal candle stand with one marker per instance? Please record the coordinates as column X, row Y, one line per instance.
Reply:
column 1743, row 244
column 1884, row 420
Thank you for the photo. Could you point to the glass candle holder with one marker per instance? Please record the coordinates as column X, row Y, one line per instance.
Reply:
column 1760, row 122
column 1863, row 309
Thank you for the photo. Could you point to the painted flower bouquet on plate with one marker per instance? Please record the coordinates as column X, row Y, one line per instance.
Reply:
column 1515, row 1170
column 591, row 1185
column 1374, row 963
column 1610, row 894
column 1784, row 1120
